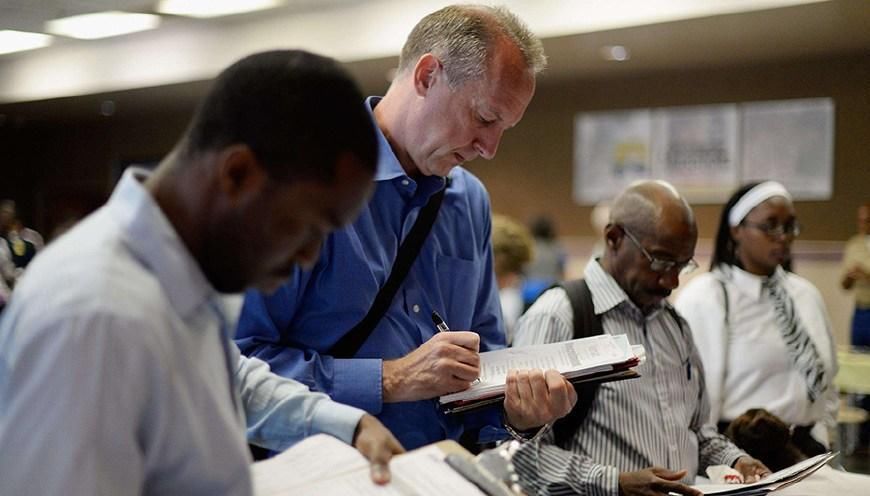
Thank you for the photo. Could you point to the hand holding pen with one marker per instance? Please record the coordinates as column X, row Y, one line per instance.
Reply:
column 442, row 327
column 446, row 363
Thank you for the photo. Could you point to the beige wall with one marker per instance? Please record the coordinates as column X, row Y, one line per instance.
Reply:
column 52, row 162
column 533, row 171
column 52, row 165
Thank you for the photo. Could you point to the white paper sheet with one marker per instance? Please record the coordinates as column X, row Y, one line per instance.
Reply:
column 324, row 466
column 571, row 358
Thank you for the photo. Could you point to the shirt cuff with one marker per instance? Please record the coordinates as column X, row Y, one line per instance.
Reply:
column 547, row 469
column 336, row 419
column 358, row 382
column 603, row 480
column 731, row 457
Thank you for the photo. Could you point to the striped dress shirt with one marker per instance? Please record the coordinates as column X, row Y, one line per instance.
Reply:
column 659, row 419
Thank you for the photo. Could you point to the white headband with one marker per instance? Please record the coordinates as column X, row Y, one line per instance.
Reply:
column 755, row 197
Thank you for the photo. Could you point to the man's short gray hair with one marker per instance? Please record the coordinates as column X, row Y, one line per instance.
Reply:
column 461, row 37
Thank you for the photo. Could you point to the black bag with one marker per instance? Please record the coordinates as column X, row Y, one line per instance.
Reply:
column 586, row 324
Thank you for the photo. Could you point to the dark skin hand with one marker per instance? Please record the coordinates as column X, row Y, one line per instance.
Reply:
column 654, row 481
column 751, row 469
column 378, row 445
column 659, row 481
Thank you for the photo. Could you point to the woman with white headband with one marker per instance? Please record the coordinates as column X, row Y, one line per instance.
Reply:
column 762, row 331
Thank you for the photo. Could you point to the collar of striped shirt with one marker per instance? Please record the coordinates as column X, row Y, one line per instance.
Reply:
column 607, row 294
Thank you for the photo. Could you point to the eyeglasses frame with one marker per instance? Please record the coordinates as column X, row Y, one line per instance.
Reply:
column 662, row 266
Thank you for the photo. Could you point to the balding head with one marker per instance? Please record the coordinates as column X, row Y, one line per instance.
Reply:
column 652, row 208
column 662, row 223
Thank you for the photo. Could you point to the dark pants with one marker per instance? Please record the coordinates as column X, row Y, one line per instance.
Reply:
column 861, row 327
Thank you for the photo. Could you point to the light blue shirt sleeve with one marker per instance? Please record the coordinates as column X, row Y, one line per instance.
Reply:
column 355, row 381
column 280, row 412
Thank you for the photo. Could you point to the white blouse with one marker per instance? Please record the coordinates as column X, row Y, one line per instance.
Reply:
column 746, row 362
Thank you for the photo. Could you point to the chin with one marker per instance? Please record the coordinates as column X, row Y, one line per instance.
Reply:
column 270, row 283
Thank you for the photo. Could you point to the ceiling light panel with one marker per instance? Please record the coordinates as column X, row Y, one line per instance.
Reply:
column 213, row 8
column 102, row 24
column 17, row 41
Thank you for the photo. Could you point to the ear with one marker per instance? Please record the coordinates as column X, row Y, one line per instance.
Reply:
column 613, row 236
column 736, row 234
column 426, row 73
column 239, row 173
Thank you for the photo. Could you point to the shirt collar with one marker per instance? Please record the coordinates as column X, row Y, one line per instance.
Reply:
column 748, row 283
column 151, row 238
column 389, row 167
column 607, row 294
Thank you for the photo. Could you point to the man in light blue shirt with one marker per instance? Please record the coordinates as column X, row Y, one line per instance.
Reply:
column 466, row 74
column 118, row 374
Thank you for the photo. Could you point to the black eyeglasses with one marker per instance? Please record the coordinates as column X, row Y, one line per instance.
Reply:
column 791, row 228
column 659, row 265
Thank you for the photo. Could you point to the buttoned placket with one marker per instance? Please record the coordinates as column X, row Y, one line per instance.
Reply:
column 662, row 390
column 412, row 297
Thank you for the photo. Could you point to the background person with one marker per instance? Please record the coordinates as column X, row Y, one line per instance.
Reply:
column 856, row 276
column 512, row 249
column 644, row 436
column 548, row 265
column 763, row 332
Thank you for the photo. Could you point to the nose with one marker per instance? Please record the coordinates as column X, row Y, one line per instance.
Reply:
column 670, row 279
column 487, row 143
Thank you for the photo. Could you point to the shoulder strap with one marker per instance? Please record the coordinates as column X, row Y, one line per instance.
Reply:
column 727, row 321
column 350, row 343
column 586, row 324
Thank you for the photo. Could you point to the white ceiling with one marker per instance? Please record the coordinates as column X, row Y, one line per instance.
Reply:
column 661, row 35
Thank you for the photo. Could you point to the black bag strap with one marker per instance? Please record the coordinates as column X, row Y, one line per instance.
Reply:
column 350, row 343
column 586, row 324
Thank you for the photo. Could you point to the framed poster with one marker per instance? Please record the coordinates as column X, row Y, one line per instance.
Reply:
column 696, row 150
column 707, row 151
column 611, row 150
column 791, row 141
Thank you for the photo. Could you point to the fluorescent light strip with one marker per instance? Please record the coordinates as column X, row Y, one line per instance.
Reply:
column 18, row 41
column 213, row 8
column 102, row 24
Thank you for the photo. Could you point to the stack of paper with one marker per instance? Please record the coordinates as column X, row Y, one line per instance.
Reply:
column 594, row 359
column 772, row 482
column 324, row 466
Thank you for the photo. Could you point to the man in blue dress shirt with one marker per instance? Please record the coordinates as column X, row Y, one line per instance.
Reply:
column 466, row 74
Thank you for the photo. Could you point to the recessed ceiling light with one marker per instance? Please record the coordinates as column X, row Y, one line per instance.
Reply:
column 617, row 53
column 102, row 24
column 213, row 8
column 17, row 41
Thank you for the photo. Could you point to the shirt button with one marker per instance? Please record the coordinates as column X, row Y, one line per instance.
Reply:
column 416, row 308
column 405, row 182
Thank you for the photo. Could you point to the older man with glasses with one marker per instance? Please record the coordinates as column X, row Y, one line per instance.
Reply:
column 644, row 436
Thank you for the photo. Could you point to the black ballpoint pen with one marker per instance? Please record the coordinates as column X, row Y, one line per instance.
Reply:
column 439, row 322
